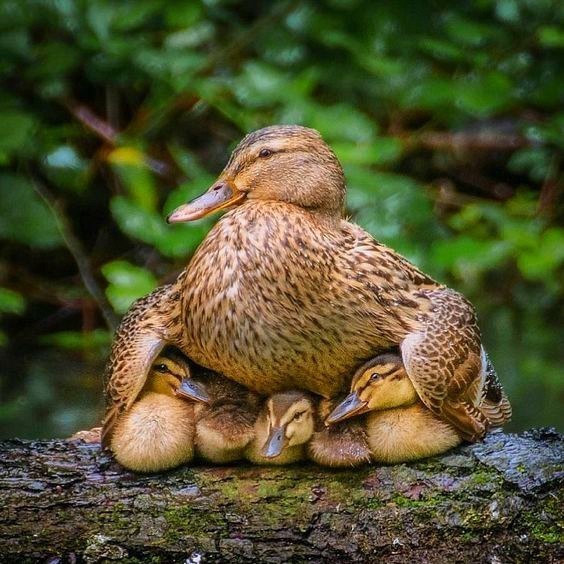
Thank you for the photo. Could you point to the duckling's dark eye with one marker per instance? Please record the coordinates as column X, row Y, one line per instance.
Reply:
column 299, row 415
column 161, row 368
column 375, row 376
column 265, row 153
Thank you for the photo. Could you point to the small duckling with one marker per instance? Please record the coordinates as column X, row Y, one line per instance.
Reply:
column 284, row 426
column 157, row 433
column 290, row 428
column 341, row 445
column 399, row 427
column 225, row 424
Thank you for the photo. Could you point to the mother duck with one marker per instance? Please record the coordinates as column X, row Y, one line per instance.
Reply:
column 285, row 293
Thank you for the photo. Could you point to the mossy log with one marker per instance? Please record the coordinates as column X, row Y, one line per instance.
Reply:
column 498, row 501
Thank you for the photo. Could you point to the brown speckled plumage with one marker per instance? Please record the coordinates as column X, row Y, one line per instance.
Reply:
column 294, row 302
column 142, row 334
column 285, row 293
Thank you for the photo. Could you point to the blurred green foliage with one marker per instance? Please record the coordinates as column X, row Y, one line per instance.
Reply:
column 448, row 118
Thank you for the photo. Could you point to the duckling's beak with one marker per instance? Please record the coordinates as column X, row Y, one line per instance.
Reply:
column 275, row 443
column 221, row 195
column 192, row 390
column 350, row 406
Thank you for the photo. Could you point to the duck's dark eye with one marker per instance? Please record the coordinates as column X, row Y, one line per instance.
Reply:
column 265, row 153
column 299, row 415
column 161, row 368
column 375, row 376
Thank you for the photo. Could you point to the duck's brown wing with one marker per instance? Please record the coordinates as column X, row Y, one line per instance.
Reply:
column 493, row 401
column 435, row 327
column 140, row 337
column 444, row 362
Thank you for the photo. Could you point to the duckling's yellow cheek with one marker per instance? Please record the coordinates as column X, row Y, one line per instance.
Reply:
column 290, row 433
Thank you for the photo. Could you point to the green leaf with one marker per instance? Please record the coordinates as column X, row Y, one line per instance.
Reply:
column 17, row 128
column 171, row 240
column 129, row 163
column 382, row 151
column 341, row 122
column 260, row 84
column 190, row 37
column 99, row 18
column 460, row 254
column 182, row 14
column 75, row 340
column 544, row 258
column 485, row 94
column 443, row 50
column 471, row 33
column 127, row 283
column 11, row 302
column 23, row 215
column 430, row 93
column 551, row 36
column 67, row 169
column 52, row 59
column 533, row 161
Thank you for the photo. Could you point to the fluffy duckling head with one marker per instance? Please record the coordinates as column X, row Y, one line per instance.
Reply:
column 170, row 375
column 381, row 383
column 290, row 418
column 281, row 163
column 166, row 374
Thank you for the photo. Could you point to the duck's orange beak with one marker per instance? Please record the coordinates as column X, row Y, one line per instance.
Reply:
column 221, row 195
column 350, row 406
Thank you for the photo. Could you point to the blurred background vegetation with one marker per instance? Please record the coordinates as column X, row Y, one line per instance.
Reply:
column 448, row 118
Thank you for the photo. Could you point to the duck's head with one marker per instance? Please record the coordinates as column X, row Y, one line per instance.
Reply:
column 170, row 375
column 281, row 163
column 381, row 383
column 290, row 418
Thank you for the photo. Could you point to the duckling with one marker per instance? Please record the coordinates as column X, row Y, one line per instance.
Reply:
column 341, row 445
column 290, row 428
column 383, row 383
column 157, row 432
column 399, row 426
column 286, row 293
column 225, row 424
column 284, row 426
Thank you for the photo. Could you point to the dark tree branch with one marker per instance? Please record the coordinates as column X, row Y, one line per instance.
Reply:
column 92, row 122
column 75, row 247
column 551, row 189
column 485, row 140
column 499, row 501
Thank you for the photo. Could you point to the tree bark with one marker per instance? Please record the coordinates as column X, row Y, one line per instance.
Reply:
column 497, row 501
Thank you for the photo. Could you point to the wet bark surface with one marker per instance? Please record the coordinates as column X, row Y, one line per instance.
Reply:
column 498, row 501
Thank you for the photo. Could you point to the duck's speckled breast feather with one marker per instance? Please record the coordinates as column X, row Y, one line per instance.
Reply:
column 276, row 298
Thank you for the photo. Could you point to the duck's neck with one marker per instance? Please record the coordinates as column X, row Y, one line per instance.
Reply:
column 280, row 210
